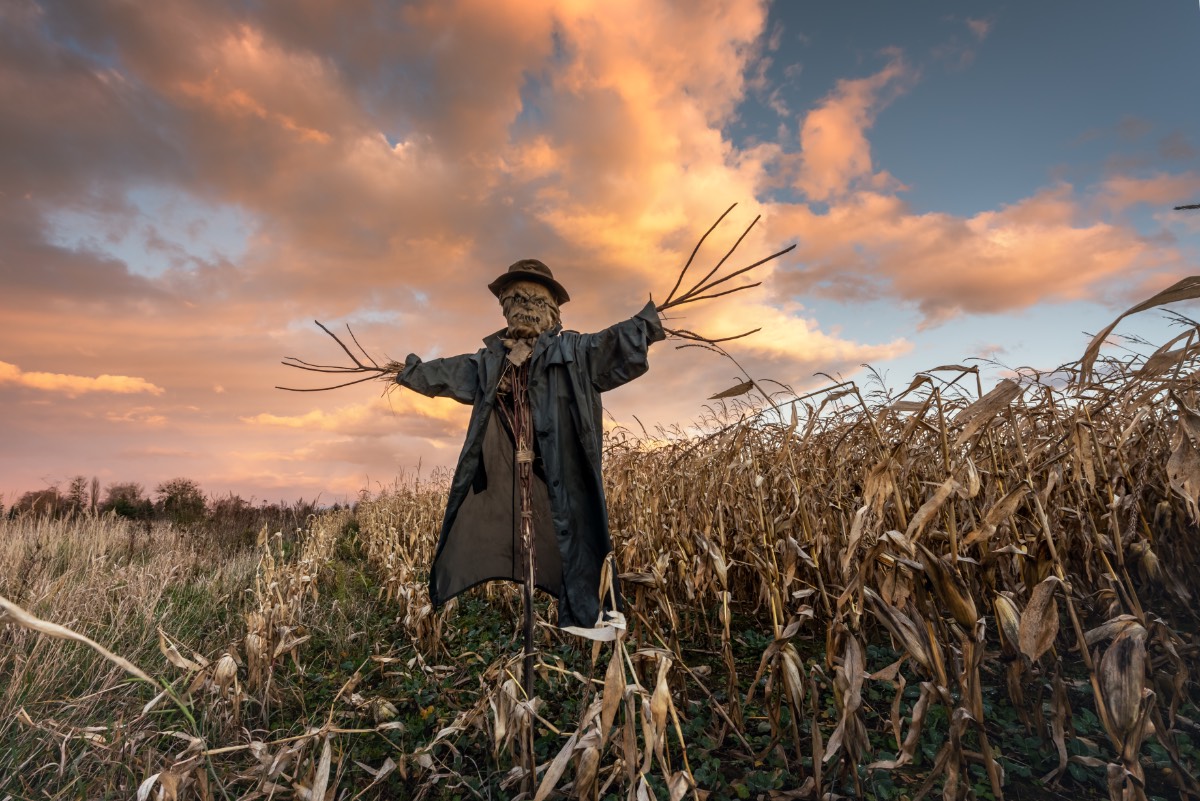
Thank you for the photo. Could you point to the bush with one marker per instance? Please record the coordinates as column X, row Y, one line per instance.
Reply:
column 180, row 500
column 127, row 499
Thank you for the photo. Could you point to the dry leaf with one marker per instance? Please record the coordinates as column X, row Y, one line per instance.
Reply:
column 171, row 652
column 734, row 391
column 1122, row 675
column 1183, row 466
column 22, row 618
column 981, row 412
column 1039, row 622
column 1187, row 289
column 614, row 689
column 931, row 507
column 555, row 771
column 679, row 785
column 949, row 588
column 997, row 514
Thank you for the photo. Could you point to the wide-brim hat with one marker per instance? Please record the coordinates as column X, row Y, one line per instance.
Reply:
column 530, row 270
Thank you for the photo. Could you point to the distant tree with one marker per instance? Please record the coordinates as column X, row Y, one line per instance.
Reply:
column 94, row 497
column 42, row 502
column 77, row 496
column 127, row 500
column 180, row 500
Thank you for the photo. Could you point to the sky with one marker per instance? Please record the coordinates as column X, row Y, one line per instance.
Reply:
column 186, row 185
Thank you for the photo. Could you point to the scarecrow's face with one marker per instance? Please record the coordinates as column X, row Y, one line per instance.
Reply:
column 529, row 309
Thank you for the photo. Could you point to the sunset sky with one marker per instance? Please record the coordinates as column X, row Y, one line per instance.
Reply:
column 185, row 185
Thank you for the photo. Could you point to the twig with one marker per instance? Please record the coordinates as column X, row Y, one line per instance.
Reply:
column 713, row 271
column 693, row 295
column 689, row 299
column 335, row 386
column 685, row 334
column 702, row 289
column 372, row 372
column 695, row 250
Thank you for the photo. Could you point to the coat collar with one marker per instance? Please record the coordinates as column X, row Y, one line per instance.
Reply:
column 494, row 341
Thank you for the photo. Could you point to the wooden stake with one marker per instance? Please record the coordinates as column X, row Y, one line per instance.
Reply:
column 520, row 420
column 522, row 425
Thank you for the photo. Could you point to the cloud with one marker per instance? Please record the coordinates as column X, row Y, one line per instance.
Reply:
column 870, row 244
column 1131, row 127
column 72, row 385
column 1121, row 192
column 980, row 28
column 955, row 52
column 141, row 415
column 1036, row 250
column 156, row 451
column 417, row 415
column 1176, row 145
column 835, row 154
column 989, row 350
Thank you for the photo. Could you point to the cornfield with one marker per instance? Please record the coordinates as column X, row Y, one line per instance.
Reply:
column 852, row 594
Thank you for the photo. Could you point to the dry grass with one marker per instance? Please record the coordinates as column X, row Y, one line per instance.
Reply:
column 858, row 589
column 66, row 714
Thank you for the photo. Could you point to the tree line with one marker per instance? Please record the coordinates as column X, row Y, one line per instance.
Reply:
column 180, row 501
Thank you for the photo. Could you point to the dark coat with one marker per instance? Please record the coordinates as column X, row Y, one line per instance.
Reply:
column 479, row 539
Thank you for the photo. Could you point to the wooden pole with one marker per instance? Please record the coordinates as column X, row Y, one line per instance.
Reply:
column 529, row 633
column 522, row 430
column 522, row 427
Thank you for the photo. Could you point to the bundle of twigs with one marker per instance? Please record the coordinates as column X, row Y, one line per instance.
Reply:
column 367, row 369
column 368, row 372
column 702, row 289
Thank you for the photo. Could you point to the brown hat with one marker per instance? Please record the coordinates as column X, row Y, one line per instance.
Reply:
column 530, row 270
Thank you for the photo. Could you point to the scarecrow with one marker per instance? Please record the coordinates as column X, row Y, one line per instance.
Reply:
column 526, row 502
column 535, row 426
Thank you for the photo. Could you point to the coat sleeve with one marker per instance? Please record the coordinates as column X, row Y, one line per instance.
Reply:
column 618, row 354
column 453, row 377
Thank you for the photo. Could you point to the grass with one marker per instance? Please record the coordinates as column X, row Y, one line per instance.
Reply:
column 354, row 633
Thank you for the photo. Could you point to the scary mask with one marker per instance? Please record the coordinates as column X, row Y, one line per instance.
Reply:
column 529, row 308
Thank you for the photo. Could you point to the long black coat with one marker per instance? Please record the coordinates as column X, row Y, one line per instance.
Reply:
column 479, row 540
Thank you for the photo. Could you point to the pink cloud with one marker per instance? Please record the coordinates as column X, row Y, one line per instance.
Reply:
column 418, row 415
column 140, row 415
column 980, row 28
column 1162, row 189
column 158, row 452
column 835, row 153
column 1036, row 250
column 72, row 385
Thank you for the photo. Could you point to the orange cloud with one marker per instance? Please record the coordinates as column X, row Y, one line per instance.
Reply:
column 1036, row 250
column 835, row 154
column 243, row 74
column 141, row 415
column 72, row 385
column 1162, row 189
column 157, row 451
column 401, row 409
